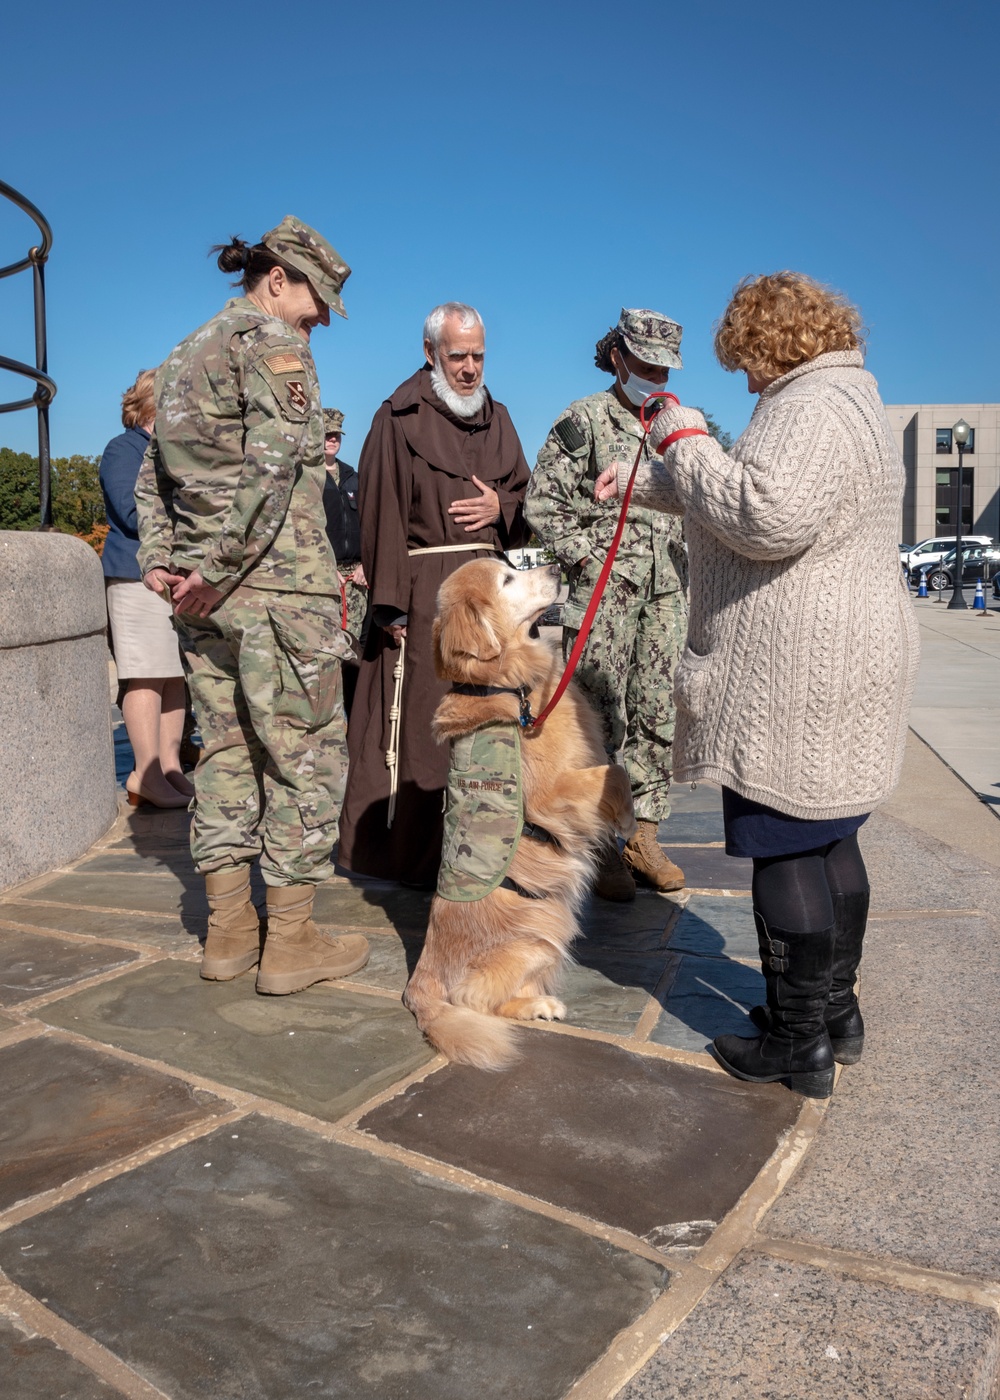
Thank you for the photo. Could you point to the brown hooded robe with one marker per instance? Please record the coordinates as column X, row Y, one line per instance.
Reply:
column 417, row 459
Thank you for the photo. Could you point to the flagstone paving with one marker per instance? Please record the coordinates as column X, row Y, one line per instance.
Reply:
column 166, row 932
column 207, row 1193
column 597, row 1130
column 34, row 963
column 283, row 1261
column 69, row 1109
column 36, row 1369
column 321, row 1052
column 707, row 997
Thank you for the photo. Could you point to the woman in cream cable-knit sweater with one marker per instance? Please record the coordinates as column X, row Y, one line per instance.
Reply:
column 794, row 689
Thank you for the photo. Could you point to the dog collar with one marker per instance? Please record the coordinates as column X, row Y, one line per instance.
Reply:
column 522, row 692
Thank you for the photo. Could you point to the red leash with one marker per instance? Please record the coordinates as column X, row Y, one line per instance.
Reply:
column 659, row 400
column 343, row 604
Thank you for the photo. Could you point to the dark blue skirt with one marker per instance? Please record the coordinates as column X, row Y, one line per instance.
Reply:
column 753, row 830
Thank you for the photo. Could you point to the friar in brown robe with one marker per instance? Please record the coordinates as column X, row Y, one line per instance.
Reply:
column 418, row 459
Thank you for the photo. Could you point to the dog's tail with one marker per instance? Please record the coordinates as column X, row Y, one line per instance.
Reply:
column 465, row 1036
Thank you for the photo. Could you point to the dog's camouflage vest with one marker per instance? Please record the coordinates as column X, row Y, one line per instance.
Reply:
column 485, row 812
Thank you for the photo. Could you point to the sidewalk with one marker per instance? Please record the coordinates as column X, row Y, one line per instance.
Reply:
column 957, row 705
column 208, row 1194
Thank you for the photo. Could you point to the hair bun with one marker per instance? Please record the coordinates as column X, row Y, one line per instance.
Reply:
column 233, row 256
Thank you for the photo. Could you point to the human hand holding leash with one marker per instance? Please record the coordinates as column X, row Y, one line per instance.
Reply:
column 677, row 420
column 669, row 425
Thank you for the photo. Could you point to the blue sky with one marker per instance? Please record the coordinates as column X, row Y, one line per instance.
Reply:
column 548, row 162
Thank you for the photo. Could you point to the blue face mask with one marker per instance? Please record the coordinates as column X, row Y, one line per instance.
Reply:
column 637, row 390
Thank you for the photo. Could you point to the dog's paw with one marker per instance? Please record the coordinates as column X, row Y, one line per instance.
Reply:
column 544, row 1009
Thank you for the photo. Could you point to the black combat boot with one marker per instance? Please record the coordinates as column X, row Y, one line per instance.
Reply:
column 843, row 1014
column 795, row 1046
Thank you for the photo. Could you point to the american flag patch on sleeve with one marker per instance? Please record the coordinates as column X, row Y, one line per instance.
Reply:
column 283, row 364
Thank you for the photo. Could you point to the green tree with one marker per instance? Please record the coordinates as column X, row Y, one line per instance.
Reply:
column 77, row 499
column 724, row 439
column 18, row 490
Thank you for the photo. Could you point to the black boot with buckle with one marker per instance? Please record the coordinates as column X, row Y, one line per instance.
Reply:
column 795, row 1046
column 843, row 1014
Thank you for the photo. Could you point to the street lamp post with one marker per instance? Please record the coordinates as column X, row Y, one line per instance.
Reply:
column 960, row 433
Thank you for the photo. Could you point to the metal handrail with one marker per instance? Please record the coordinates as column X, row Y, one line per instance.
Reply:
column 45, row 387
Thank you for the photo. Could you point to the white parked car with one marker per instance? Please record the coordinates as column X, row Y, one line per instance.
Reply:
column 933, row 550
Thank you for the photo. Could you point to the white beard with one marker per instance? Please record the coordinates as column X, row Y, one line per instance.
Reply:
column 462, row 405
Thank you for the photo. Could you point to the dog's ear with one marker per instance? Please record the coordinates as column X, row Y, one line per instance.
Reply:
column 486, row 640
column 461, row 634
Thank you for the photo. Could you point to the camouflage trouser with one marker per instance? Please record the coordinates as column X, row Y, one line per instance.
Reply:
column 627, row 671
column 264, row 675
column 357, row 609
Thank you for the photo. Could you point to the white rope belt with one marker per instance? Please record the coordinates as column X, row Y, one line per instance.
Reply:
column 452, row 549
column 392, row 752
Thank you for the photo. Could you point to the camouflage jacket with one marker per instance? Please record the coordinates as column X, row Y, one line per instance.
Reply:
column 560, row 506
column 232, row 480
column 485, row 813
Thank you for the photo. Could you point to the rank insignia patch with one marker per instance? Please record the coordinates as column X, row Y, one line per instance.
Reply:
column 283, row 364
column 297, row 395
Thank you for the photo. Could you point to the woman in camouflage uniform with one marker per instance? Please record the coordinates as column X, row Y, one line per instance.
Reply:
column 232, row 529
column 627, row 665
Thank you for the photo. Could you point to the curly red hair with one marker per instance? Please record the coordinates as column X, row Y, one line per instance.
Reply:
column 778, row 321
column 138, row 403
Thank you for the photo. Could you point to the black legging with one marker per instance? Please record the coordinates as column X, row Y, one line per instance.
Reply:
column 795, row 892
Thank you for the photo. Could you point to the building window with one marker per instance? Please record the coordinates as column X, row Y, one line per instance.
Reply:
column 945, row 504
column 943, row 442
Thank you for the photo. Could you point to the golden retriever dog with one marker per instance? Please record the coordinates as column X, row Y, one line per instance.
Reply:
column 497, row 959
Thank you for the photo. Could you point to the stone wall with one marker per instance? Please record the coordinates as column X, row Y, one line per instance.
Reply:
column 56, row 765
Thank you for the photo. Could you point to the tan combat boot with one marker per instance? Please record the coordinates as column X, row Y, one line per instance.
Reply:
column 296, row 952
column 611, row 878
column 232, row 945
column 647, row 860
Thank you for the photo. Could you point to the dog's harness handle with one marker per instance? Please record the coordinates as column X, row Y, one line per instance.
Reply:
column 658, row 401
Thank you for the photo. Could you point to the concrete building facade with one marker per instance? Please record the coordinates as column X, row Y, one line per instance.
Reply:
column 924, row 437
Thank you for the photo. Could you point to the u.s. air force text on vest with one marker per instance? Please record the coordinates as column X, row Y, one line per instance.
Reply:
column 484, row 817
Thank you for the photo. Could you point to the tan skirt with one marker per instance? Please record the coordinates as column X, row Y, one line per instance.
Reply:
column 142, row 633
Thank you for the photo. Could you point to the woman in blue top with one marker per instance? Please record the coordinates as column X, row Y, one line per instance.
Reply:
column 147, row 655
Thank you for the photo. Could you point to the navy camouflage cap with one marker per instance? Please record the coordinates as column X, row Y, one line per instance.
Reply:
column 333, row 421
column 654, row 338
column 309, row 253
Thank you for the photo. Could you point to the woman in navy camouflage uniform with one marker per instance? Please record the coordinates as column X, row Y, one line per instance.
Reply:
column 627, row 665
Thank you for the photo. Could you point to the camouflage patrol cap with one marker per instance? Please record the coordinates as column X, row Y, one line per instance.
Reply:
column 309, row 253
column 333, row 421
column 654, row 338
